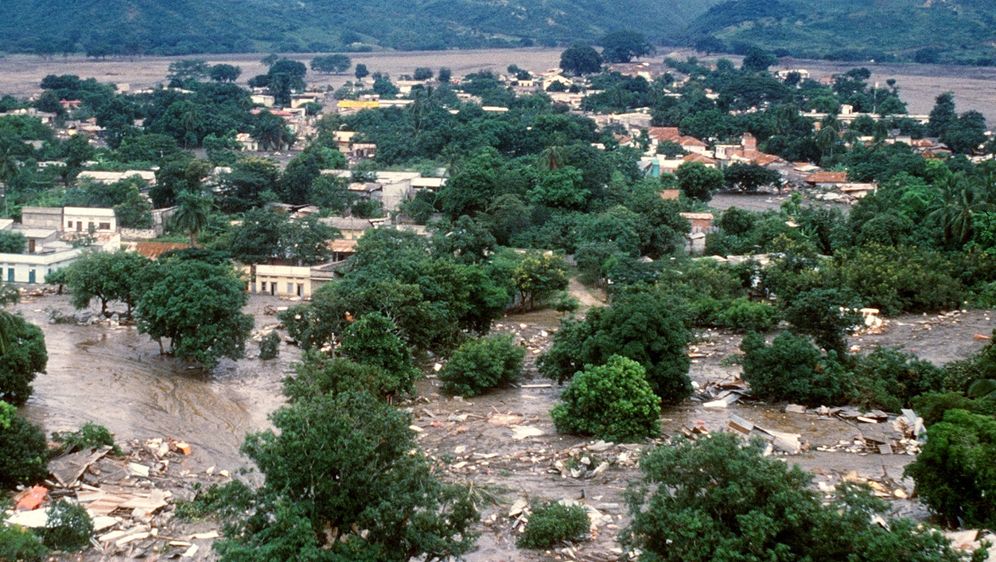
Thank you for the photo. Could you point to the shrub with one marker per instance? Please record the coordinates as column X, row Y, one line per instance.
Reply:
column 890, row 379
column 69, row 527
column 826, row 314
column 88, row 436
column 955, row 472
column 566, row 302
column 716, row 498
column 269, row 346
column 482, row 364
column 612, row 402
column 793, row 369
column 320, row 374
column 20, row 544
column 744, row 315
column 553, row 523
column 226, row 499
column 932, row 405
column 24, row 458
column 960, row 375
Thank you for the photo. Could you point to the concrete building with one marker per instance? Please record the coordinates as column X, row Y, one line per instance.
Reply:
column 34, row 268
column 282, row 281
column 107, row 178
column 86, row 219
column 49, row 218
column 69, row 219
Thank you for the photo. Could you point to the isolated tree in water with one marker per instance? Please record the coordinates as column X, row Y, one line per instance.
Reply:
column 197, row 306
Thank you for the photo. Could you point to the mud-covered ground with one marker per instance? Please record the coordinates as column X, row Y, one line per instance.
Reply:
column 480, row 439
column 504, row 443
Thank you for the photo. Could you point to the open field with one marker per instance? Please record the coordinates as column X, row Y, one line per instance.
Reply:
column 974, row 87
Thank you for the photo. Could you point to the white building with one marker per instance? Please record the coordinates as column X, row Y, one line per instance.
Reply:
column 85, row 219
column 34, row 268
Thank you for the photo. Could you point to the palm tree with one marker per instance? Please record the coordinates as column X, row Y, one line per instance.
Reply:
column 828, row 137
column 959, row 202
column 552, row 157
column 192, row 211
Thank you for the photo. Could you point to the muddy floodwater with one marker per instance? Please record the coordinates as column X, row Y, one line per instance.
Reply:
column 503, row 443
column 114, row 376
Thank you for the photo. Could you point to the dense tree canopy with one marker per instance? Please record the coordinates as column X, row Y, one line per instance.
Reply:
column 370, row 481
column 197, row 306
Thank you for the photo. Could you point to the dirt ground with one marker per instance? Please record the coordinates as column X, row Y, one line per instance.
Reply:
column 919, row 84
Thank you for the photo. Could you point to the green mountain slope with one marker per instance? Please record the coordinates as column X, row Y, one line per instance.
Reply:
column 962, row 31
column 191, row 26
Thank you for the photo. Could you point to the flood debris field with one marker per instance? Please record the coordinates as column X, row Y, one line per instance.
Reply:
column 181, row 429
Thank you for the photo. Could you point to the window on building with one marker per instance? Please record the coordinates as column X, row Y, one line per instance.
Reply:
column 104, row 226
column 262, row 286
column 69, row 224
column 290, row 288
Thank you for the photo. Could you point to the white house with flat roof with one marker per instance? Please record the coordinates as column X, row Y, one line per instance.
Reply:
column 87, row 219
column 34, row 268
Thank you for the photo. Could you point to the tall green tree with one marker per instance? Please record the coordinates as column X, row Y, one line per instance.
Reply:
column 197, row 306
column 118, row 276
column 345, row 463
column 624, row 46
column 698, row 181
column 580, row 59
column 331, row 63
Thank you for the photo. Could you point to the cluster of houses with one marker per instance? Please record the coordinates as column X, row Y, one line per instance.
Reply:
column 53, row 236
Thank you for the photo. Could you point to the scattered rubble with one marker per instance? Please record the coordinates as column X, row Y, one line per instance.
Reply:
column 130, row 498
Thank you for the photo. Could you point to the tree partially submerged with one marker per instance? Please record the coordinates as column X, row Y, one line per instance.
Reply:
column 22, row 356
column 481, row 364
column 612, row 402
column 25, row 454
column 955, row 473
column 197, row 306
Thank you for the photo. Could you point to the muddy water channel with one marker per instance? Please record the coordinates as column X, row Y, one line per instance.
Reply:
column 504, row 443
column 114, row 376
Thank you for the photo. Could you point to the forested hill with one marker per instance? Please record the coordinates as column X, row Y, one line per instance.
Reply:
column 200, row 26
column 961, row 31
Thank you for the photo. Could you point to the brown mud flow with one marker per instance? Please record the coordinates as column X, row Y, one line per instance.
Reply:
column 502, row 443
